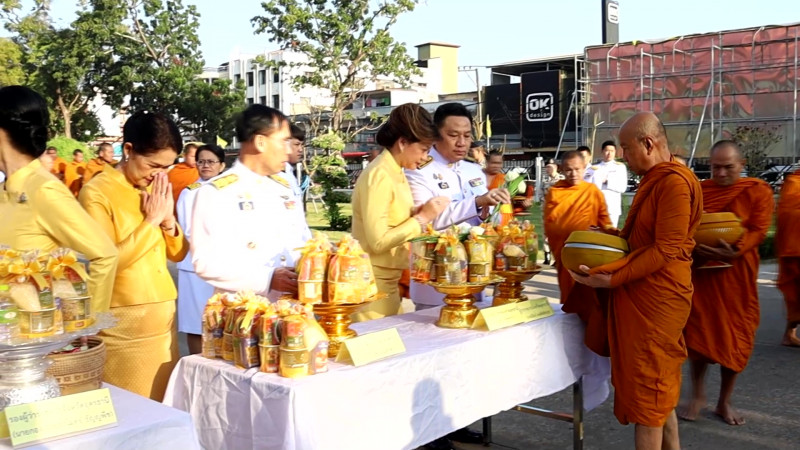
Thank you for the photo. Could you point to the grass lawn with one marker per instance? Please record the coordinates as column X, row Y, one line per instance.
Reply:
column 318, row 222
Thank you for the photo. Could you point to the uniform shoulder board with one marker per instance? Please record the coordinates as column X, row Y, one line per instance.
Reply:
column 280, row 180
column 595, row 167
column 227, row 180
column 193, row 186
column 430, row 159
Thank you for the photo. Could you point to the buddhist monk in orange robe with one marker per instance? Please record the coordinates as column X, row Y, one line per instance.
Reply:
column 787, row 243
column 725, row 309
column 575, row 205
column 651, row 293
column 105, row 157
column 184, row 173
column 73, row 173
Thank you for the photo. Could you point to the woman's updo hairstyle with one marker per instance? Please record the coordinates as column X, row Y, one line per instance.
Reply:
column 24, row 116
column 409, row 121
column 150, row 133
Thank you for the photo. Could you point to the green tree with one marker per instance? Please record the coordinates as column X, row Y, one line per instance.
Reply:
column 11, row 70
column 329, row 171
column 346, row 43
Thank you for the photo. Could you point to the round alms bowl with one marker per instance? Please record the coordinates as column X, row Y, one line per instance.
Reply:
column 592, row 249
column 716, row 226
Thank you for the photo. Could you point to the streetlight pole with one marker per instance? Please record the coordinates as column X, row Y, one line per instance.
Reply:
column 479, row 108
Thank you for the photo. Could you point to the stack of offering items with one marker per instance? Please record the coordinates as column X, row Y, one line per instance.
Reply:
column 337, row 276
column 281, row 337
column 470, row 254
column 42, row 294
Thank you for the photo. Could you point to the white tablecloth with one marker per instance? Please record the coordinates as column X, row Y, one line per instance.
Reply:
column 446, row 380
column 141, row 424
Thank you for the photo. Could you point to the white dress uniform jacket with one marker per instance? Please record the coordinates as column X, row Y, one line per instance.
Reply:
column 612, row 179
column 289, row 174
column 193, row 292
column 244, row 226
column 462, row 182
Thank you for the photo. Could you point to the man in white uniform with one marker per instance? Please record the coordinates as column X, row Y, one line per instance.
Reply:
column 247, row 224
column 612, row 179
column 447, row 174
column 295, row 156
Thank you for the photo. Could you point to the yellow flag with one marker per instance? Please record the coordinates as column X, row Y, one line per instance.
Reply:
column 221, row 142
column 488, row 127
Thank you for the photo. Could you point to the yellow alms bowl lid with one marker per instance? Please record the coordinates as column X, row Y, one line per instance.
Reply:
column 718, row 217
column 597, row 238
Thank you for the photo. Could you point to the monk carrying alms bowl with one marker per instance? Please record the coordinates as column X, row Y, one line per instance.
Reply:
column 592, row 249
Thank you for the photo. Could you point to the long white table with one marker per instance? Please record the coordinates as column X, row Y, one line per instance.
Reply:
column 141, row 424
column 446, row 380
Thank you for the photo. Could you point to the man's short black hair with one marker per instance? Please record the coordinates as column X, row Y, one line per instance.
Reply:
column 297, row 132
column 607, row 143
column 583, row 148
column 76, row 152
column 258, row 119
column 450, row 109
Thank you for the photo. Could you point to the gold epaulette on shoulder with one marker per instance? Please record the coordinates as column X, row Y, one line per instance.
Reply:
column 193, row 186
column 430, row 159
column 227, row 180
column 279, row 180
column 595, row 167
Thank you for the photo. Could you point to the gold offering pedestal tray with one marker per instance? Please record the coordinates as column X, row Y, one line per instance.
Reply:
column 335, row 320
column 459, row 310
column 510, row 289
column 24, row 363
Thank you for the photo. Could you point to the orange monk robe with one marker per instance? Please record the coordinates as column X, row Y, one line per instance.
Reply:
column 496, row 181
column 73, row 176
column 725, row 311
column 652, row 295
column 571, row 208
column 576, row 208
column 59, row 166
column 181, row 176
column 93, row 167
column 787, row 244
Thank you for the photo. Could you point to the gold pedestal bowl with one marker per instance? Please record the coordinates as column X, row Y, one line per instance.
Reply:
column 335, row 320
column 510, row 289
column 459, row 310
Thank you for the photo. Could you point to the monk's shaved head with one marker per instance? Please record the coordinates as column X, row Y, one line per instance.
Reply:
column 643, row 139
column 727, row 145
column 727, row 163
column 573, row 166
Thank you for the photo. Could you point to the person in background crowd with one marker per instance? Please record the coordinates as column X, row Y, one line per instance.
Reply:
column 651, row 287
column 612, row 179
column 586, row 154
column 550, row 178
column 74, row 171
column 680, row 160
column 105, row 157
column 193, row 292
column 787, row 243
column 47, row 161
column 59, row 165
column 494, row 170
column 477, row 154
column 725, row 310
column 576, row 205
column 38, row 211
column 446, row 174
column 132, row 204
column 295, row 157
column 247, row 226
column 384, row 217
column 184, row 173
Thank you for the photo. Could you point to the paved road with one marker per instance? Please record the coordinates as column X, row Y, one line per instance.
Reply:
column 768, row 393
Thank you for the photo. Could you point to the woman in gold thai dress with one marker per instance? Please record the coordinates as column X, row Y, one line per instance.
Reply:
column 384, row 217
column 37, row 209
column 133, row 204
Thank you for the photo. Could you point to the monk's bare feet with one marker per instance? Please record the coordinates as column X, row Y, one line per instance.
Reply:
column 692, row 409
column 790, row 339
column 729, row 414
